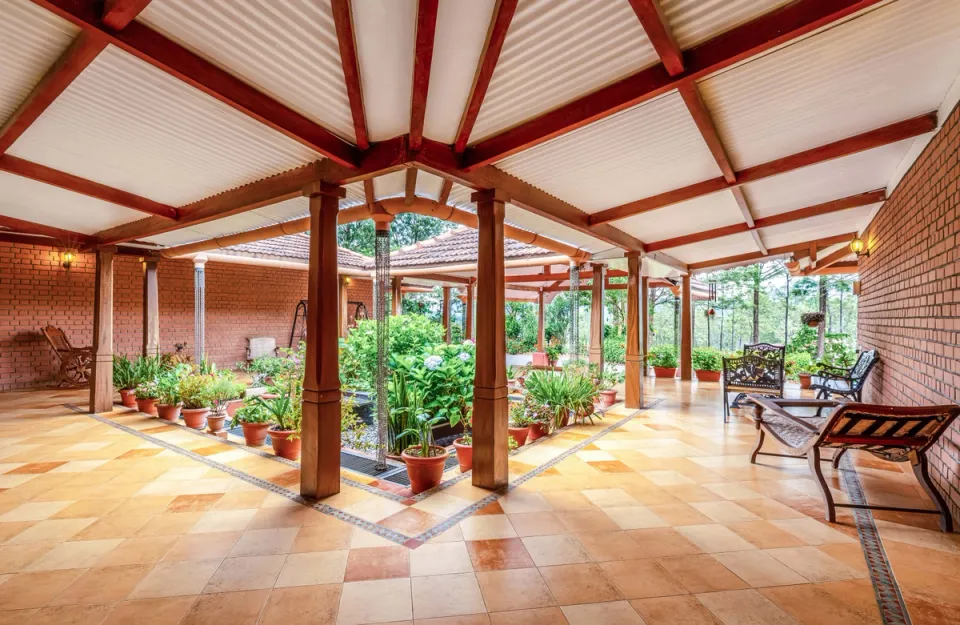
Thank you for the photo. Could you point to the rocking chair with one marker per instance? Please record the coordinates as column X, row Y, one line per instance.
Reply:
column 75, row 362
column 892, row 433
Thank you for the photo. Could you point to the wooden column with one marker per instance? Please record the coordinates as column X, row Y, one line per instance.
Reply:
column 644, row 322
column 596, row 315
column 396, row 299
column 320, row 462
column 490, row 466
column 541, row 306
column 445, row 314
column 686, row 330
column 101, row 379
column 151, row 308
column 468, row 321
column 633, row 384
column 343, row 310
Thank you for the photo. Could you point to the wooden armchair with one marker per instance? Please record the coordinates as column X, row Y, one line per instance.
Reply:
column 75, row 362
column 759, row 370
column 892, row 433
column 845, row 382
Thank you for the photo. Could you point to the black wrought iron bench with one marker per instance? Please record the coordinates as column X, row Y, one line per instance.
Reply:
column 893, row 433
column 845, row 382
column 759, row 370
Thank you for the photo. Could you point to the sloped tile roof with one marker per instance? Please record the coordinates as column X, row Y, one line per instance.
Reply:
column 296, row 247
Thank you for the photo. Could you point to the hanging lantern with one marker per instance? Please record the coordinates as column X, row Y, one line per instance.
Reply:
column 66, row 259
column 711, row 312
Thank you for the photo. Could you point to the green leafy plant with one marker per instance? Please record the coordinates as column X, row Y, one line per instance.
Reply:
column 194, row 391
column 147, row 390
column 168, row 384
column 799, row 362
column 707, row 359
column 608, row 378
column 147, row 368
column 405, row 403
column 662, row 356
column 552, row 390
column 264, row 368
column 410, row 335
column 223, row 388
column 420, row 429
column 443, row 375
column 836, row 352
column 518, row 416
column 553, row 350
column 467, row 438
column 283, row 414
column 124, row 374
column 253, row 411
column 352, row 428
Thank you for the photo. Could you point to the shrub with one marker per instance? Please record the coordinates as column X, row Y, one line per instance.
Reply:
column 798, row 362
column 662, row 356
column 707, row 359
column 352, row 429
column 147, row 390
column 194, row 391
column 443, row 375
column 124, row 375
column 615, row 349
column 252, row 411
column 168, row 385
column 409, row 335
column 836, row 351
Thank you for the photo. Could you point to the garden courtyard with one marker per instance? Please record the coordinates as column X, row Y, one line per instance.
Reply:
column 651, row 516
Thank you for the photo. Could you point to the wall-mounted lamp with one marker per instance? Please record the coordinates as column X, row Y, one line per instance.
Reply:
column 858, row 247
column 67, row 258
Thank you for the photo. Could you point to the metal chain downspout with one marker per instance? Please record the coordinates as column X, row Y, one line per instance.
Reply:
column 382, row 315
column 574, row 347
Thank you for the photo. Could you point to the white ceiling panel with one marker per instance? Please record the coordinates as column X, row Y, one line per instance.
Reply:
column 233, row 224
column 45, row 204
column 385, row 31
column 703, row 213
column 175, row 237
column 819, row 227
column 832, row 180
column 649, row 149
column 286, row 210
column 557, row 51
column 31, row 41
column 887, row 65
column 287, row 50
column 390, row 185
column 694, row 21
column 713, row 249
column 461, row 34
column 128, row 125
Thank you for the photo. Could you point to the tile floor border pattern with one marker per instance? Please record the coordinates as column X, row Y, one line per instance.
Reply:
column 893, row 609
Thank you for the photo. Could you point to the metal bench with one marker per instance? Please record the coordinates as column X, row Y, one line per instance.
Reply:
column 845, row 382
column 759, row 370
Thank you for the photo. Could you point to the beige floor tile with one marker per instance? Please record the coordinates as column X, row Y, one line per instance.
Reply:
column 314, row 568
column 674, row 610
column 536, row 524
column 579, row 583
column 810, row 604
column 440, row 559
column 375, row 508
column 170, row 524
column 362, row 539
column 702, row 573
column 732, row 490
column 610, row 498
column 678, row 514
column 161, row 611
column 326, row 537
column 103, row 585
column 759, row 569
column 582, row 521
column 35, row 590
column 34, row 511
column 51, row 530
column 246, row 573
column 302, row 605
column 634, row 517
column 514, row 589
column 813, row 532
column 745, row 607
column 265, row 542
column 172, row 579
column 725, row 511
column 661, row 542
column 236, row 608
column 394, row 602
column 765, row 535
column 639, row 579
column 377, row 563
column 79, row 554
column 815, row 565
column 604, row 546
column 114, row 527
column 487, row 526
column 611, row 613
column 715, row 538
column 554, row 550
column 14, row 558
column 446, row 595
column 210, row 546
column 72, row 615
column 535, row 616
column 520, row 501
column 223, row 521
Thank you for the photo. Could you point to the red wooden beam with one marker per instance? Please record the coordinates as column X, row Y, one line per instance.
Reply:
column 660, row 34
column 410, row 186
column 768, row 31
column 565, row 275
column 42, row 173
column 844, row 147
column 445, row 192
column 831, row 259
column 77, row 57
column 496, row 35
column 773, row 251
column 117, row 14
column 28, row 227
column 172, row 58
column 704, row 121
column 423, row 58
column 343, row 20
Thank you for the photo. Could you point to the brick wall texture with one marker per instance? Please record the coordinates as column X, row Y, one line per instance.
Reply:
column 241, row 301
column 909, row 305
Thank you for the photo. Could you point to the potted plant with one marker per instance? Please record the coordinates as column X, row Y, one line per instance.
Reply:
column 663, row 359
column 553, row 351
column 255, row 419
column 285, row 429
column 124, row 380
column 552, row 390
column 195, row 396
column 464, row 445
column 799, row 366
column 707, row 362
column 168, row 388
column 224, row 389
column 541, row 418
column 606, row 381
column 424, row 460
column 147, row 393
column 520, row 423
column 812, row 319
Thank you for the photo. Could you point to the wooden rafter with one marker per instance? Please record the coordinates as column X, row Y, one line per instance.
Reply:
column 28, row 227
column 828, row 260
column 773, row 251
column 768, row 31
column 369, row 194
column 497, row 33
column 172, row 58
column 77, row 57
column 117, row 14
column 546, row 277
column 422, row 60
column 844, row 147
column 343, row 20
column 445, row 191
column 42, row 173
column 660, row 34
column 410, row 186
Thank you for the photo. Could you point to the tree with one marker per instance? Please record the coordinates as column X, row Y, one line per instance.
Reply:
column 823, row 309
column 405, row 229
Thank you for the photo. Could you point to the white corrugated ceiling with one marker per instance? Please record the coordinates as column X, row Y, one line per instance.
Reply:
column 31, row 41
column 732, row 245
column 819, row 227
column 128, row 125
column 703, row 213
column 887, row 65
column 557, row 51
column 694, row 21
column 646, row 150
column 287, row 50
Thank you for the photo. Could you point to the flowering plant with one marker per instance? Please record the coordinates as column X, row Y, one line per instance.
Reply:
column 147, row 390
column 443, row 377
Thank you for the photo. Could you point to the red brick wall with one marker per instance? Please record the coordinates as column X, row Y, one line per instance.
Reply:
column 909, row 306
column 241, row 300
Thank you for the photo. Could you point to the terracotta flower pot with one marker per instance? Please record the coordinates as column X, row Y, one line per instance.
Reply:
column 255, row 434
column 424, row 473
column 519, row 435
column 147, row 405
column 608, row 397
column 195, row 418
column 128, row 398
column 813, row 324
column 168, row 412
column 708, row 376
column 233, row 406
column 283, row 446
column 215, row 422
column 464, row 455
column 665, row 372
column 536, row 431
column 804, row 380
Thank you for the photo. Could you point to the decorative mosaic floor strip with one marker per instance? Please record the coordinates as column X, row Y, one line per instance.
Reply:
column 893, row 610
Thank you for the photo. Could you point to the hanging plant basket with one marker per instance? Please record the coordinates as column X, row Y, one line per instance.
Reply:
column 813, row 319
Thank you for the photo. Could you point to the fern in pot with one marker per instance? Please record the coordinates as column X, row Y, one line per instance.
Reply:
column 125, row 380
column 424, row 460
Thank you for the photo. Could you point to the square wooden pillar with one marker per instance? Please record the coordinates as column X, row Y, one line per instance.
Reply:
column 151, row 308
column 490, row 466
column 633, row 383
column 686, row 330
column 541, row 329
column 342, row 310
column 320, row 462
column 396, row 296
column 101, row 378
column 645, row 320
column 445, row 314
column 468, row 321
column 596, row 315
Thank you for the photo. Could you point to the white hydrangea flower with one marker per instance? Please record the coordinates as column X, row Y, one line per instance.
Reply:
column 433, row 362
column 464, row 356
